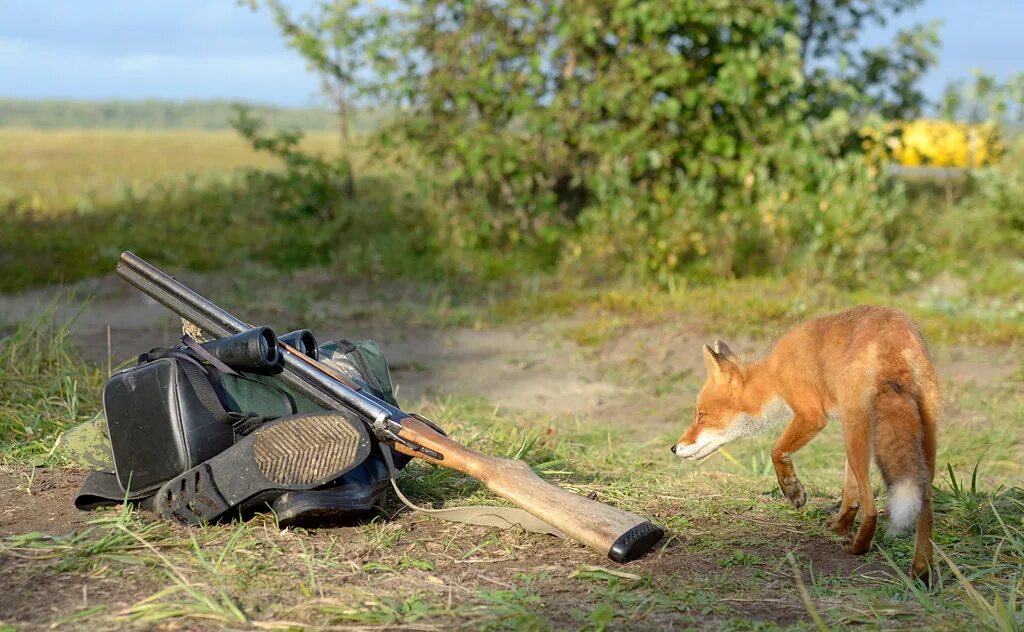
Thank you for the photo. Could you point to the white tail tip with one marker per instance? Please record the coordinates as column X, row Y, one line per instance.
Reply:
column 904, row 504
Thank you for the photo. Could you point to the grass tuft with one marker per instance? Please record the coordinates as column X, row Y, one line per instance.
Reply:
column 46, row 387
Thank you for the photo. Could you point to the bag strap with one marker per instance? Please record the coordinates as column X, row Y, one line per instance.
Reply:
column 200, row 380
column 206, row 356
column 500, row 517
column 207, row 387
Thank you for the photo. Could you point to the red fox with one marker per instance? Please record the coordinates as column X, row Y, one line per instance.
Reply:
column 869, row 367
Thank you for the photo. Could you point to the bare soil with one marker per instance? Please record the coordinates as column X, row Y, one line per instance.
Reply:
column 39, row 499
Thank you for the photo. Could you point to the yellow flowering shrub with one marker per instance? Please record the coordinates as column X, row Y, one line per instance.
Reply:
column 933, row 143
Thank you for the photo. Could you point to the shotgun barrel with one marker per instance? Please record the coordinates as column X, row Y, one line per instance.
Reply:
column 297, row 371
column 620, row 535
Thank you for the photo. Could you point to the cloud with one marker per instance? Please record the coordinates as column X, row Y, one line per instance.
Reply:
column 29, row 70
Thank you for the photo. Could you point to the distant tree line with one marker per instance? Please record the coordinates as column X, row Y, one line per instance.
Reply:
column 153, row 114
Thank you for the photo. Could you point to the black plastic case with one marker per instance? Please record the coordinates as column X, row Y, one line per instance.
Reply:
column 158, row 426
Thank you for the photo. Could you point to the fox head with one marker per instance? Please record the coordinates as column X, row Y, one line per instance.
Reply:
column 725, row 409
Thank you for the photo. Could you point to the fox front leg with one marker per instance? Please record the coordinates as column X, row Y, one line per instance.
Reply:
column 800, row 430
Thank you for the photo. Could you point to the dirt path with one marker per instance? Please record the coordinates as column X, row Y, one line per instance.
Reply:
column 646, row 377
column 533, row 369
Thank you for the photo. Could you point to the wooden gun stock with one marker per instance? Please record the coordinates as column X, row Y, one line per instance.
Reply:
column 620, row 535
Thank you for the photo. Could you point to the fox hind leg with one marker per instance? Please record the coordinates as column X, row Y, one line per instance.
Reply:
column 849, row 506
column 922, row 563
column 857, row 435
column 929, row 408
column 923, row 544
column 905, row 451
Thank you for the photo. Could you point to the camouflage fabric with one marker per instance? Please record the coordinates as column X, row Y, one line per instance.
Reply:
column 368, row 357
column 88, row 445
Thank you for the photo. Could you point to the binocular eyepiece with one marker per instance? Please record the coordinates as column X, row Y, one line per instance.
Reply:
column 303, row 341
column 255, row 350
column 258, row 350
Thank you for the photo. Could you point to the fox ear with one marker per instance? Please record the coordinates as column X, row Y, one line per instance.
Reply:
column 712, row 361
column 719, row 367
column 723, row 350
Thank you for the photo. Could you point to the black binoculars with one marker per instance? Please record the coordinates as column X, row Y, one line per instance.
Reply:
column 258, row 350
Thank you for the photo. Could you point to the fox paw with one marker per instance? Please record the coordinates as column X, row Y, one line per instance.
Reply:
column 841, row 527
column 922, row 573
column 794, row 491
column 853, row 547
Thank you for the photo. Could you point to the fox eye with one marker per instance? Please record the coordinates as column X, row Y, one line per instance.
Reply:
column 700, row 415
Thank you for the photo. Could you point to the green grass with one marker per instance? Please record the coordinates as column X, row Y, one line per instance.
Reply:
column 45, row 387
column 212, row 218
column 731, row 560
column 764, row 307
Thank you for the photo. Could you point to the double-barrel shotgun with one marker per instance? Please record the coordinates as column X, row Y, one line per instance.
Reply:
column 620, row 535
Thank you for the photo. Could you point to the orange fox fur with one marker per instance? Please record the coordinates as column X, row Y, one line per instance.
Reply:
column 869, row 367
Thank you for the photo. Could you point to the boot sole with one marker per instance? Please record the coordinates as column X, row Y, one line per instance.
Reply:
column 299, row 452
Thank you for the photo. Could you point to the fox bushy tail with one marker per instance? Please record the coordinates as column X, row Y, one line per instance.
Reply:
column 904, row 450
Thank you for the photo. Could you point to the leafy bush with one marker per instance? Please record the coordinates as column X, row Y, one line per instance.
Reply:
column 1002, row 189
column 535, row 112
column 657, row 139
column 832, row 218
column 317, row 216
column 305, row 197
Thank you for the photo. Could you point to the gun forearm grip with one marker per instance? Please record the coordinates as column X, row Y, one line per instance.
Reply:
column 620, row 535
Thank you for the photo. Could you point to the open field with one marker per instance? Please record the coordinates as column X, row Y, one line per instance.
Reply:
column 57, row 171
column 70, row 198
column 590, row 384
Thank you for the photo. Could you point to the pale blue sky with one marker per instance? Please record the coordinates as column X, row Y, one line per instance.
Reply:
column 182, row 49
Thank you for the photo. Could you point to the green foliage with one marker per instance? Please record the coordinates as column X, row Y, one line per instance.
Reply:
column 339, row 40
column 980, row 237
column 305, row 197
column 538, row 113
column 343, row 42
column 986, row 99
column 660, row 139
column 316, row 216
column 1001, row 189
column 829, row 218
